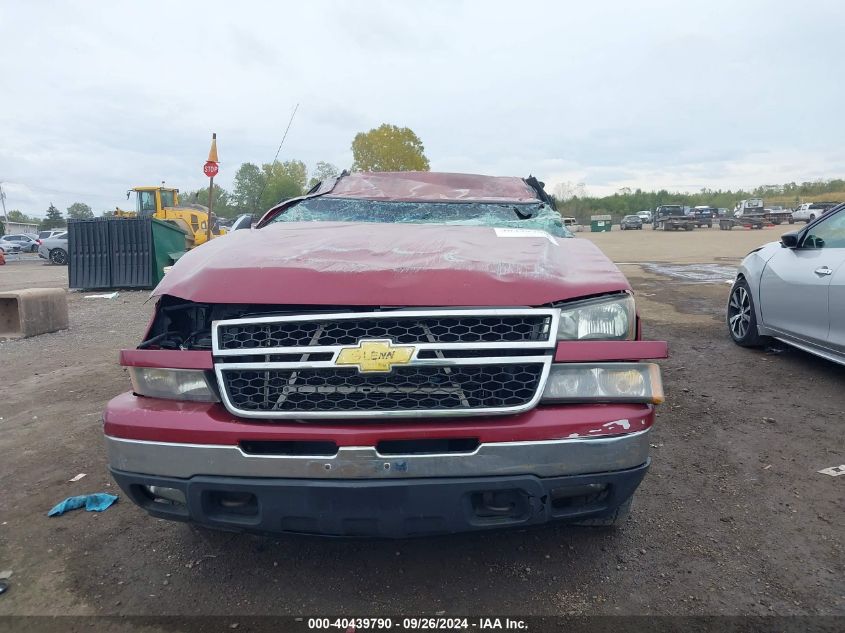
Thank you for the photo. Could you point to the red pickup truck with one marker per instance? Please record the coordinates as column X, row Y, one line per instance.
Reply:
column 392, row 354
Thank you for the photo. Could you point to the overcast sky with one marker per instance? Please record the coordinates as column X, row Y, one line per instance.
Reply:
column 97, row 97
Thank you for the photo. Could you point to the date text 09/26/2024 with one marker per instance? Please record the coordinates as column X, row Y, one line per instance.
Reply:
column 416, row 624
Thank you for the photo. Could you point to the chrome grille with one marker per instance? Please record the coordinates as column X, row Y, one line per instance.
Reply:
column 465, row 362
column 403, row 389
column 407, row 330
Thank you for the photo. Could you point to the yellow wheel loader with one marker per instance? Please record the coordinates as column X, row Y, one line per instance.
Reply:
column 162, row 203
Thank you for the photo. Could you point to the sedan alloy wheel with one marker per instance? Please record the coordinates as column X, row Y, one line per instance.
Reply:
column 739, row 312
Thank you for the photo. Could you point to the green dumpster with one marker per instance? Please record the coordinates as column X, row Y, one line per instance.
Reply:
column 121, row 252
column 168, row 244
column 599, row 223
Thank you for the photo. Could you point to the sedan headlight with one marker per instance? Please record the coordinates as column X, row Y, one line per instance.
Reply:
column 599, row 319
column 604, row 382
column 173, row 384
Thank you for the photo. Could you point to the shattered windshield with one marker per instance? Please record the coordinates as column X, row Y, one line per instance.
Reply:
column 524, row 216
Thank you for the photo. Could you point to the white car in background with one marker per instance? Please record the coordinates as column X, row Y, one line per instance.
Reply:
column 43, row 235
column 809, row 211
column 794, row 290
column 28, row 243
column 54, row 249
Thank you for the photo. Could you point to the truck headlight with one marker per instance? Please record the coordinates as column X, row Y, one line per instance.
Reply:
column 599, row 319
column 173, row 384
column 604, row 382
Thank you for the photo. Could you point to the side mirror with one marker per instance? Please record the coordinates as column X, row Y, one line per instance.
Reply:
column 243, row 222
column 790, row 240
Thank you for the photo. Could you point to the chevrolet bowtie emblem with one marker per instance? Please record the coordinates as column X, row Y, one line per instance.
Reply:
column 375, row 355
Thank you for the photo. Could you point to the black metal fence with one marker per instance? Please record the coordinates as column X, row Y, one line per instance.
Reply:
column 110, row 253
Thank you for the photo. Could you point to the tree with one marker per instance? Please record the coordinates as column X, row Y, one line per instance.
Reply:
column 79, row 211
column 282, row 182
column 322, row 171
column 388, row 148
column 54, row 218
column 564, row 191
column 248, row 183
column 18, row 216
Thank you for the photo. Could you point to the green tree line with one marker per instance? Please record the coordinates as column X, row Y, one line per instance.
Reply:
column 628, row 201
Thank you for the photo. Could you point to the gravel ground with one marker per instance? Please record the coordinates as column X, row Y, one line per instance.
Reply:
column 733, row 518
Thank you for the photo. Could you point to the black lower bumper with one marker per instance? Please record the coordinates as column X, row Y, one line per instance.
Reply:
column 381, row 508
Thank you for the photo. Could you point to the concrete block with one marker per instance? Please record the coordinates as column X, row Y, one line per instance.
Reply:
column 32, row 311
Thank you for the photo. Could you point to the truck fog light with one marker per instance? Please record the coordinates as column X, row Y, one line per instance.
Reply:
column 173, row 384
column 604, row 382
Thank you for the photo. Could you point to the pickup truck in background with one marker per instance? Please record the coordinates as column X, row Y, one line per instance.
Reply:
column 704, row 215
column 809, row 211
column 393, row 354
column 671, row 217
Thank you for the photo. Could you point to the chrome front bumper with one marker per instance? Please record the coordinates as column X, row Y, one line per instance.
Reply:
column 548, row 458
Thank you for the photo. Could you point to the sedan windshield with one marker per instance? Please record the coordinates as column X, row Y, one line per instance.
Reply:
column 524, row 216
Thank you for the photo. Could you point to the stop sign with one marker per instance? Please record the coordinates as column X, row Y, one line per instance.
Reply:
column 210, row 169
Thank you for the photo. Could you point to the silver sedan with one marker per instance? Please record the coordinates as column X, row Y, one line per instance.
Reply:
column 794, row 290
column 54, row 249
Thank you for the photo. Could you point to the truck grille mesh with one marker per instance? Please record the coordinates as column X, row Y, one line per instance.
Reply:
column 404, row 389
column 462, row 362
column 434, row 329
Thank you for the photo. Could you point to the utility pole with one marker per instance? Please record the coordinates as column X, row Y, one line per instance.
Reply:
column 210, row 169
column 3, row 202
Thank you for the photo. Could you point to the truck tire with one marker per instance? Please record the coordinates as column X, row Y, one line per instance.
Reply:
column 619, row 516
column 689, row 227
column 792, row 220
column 812, row 217
column 741, row 318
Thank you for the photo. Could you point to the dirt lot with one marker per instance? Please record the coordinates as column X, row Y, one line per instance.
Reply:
column 732, row 519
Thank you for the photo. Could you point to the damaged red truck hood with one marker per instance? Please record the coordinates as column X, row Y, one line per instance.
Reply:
column 370, row 264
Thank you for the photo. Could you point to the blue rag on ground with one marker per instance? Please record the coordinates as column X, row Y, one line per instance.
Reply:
column 96, row 502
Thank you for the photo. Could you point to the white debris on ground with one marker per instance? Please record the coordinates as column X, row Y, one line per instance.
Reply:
column 833, row 471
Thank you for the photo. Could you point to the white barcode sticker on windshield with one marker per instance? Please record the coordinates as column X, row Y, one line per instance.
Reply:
column 500, row 232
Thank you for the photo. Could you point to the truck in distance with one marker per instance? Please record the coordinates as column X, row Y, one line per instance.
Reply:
column 671, row 217
column 704, row 215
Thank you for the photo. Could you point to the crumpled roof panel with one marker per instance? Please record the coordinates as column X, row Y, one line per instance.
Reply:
column 427, row 185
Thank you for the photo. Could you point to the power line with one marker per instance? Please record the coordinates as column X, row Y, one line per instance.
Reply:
column 275, row 158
